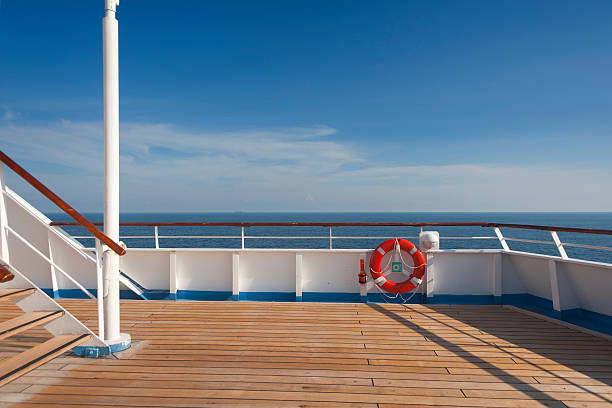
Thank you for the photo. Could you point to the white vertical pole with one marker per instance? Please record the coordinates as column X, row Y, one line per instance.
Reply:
column 242, row 236
column 330, row 237
column 4, row 251
column 156, row 237
column 110, row 29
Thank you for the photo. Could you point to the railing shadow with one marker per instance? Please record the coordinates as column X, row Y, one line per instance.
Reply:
column 507, row 377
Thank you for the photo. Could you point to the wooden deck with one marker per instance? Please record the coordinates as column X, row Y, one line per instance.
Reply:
column 239, row 354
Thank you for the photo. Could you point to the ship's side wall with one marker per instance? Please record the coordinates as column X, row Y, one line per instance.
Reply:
column 562, row 286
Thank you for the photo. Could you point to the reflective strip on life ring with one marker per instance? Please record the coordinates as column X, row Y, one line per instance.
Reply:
column 413, row 280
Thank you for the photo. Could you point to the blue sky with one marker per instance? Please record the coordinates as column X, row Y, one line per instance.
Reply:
column 317, row 105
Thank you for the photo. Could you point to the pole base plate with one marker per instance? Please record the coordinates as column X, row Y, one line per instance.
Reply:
column 123, row 343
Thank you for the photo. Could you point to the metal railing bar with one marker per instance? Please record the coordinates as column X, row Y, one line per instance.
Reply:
column 358, row 237
column 239, row 237
column 50, row 262
column 198, row 236
column 334, row 237
column 168, row 236
column 588, row 246
column 137, row 236
column 285, row 237
column 533, row 241
column 466, row 237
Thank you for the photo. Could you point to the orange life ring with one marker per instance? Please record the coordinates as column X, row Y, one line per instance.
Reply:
column 413, row 280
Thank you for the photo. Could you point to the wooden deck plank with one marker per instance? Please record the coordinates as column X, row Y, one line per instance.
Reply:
column 243, row 354
column 25, row 322
column 285, row 396
column 6, row 294
column 15, row 366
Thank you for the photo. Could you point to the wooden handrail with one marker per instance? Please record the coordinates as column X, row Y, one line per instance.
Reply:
column 281, row 224
column 553, row 228
column 80, row 220
column 353, row 224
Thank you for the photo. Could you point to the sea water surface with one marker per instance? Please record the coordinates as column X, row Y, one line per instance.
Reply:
column 319, row 236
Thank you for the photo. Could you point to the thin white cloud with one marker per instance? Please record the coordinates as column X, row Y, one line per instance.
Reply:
column 8, row 114
column 168, row 168
column 79, row 144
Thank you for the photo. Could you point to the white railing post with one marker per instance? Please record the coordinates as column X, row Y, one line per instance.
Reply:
column 495, row 280
column 501, row 238
column 242, row 236
column 559, row 245
column 173, row 276
column 430, row 276
column 100, row 285
column 298, row 277
column 54, row 284
column 330, row 237
column 4, row 250
column 554, row 285
column 156, row 237
column 235, row 276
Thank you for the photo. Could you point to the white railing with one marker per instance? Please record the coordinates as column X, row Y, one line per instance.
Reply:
column 51, row 263
column 243, row 237
column 7, row 228
column 54, row 266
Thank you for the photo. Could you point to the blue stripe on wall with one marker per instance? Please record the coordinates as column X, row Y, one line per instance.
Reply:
column 580, row 317
column 331, row 297
column 268, row 296
column 590, row 320
column 69, row 293
column 49, row 292
column 525, row 301
column 461, row 300
column 202, row 295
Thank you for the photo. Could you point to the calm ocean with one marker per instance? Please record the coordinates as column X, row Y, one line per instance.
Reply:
column 582, row 220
